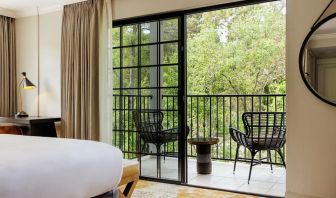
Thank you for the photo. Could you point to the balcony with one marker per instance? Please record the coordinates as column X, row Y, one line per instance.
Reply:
column 207, row 116
column 263, row 181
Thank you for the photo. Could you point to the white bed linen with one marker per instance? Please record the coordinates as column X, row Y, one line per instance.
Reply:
column 38, row 167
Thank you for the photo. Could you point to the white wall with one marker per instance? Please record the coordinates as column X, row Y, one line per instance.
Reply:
column 50, row 61
column 311, row 147
column 50, row 53
column 133, row 8
column 26, row 53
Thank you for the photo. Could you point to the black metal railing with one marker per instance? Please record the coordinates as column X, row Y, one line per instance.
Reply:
column 207, row 116
column 125, row 135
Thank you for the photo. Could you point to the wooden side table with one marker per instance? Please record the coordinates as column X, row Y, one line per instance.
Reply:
column 34, row 126
column 203, row 150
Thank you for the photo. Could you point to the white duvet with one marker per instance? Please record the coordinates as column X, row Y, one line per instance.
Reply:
column 38, row 167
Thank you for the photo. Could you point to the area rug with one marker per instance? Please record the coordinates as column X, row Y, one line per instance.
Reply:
column 147, row 189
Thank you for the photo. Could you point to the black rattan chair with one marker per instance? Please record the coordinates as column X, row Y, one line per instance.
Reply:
column 149, row 125
column 263, row 131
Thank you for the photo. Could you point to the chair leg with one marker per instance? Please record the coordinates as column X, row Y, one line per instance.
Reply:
column 164, row 153
column 235, row 162
column 252, row 160
column 143, row 150
column 270, row 159
column 158, row 160
column 282, row 157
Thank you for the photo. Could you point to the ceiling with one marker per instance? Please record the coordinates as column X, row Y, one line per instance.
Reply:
column 28, row 7
column 325, row 52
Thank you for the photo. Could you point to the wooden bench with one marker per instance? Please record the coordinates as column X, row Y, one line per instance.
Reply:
column 130, row 178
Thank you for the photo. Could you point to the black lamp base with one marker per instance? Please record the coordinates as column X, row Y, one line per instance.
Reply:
column 21, row 114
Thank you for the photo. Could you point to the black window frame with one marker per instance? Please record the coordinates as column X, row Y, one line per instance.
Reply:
column 182, row 16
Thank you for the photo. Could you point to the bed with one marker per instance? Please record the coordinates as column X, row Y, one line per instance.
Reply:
column 53, row 168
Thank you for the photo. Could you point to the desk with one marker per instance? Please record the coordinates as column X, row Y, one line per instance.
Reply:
column 34, row 126
column 203, row 149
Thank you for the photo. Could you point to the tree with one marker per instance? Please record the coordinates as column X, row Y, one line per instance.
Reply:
column 237, row 51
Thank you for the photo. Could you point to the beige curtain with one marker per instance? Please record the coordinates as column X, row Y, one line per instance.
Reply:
column 7, row 67
column 85, row 47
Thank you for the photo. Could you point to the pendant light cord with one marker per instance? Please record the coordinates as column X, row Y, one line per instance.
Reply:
column 38, row 62
column 318, row 19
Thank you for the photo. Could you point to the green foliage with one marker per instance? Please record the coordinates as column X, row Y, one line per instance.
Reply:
column 237, row 51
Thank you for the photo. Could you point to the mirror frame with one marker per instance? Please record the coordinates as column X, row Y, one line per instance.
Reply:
column 311, row 32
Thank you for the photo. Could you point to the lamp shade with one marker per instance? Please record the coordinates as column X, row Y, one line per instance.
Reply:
column 26, row 83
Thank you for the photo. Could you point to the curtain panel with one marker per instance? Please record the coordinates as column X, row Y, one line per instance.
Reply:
column 8, row 98
column 85, row 66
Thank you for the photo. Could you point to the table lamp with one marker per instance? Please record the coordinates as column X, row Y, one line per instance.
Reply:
column 25, row 84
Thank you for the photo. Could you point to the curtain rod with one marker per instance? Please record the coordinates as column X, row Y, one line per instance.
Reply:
column 38, row 62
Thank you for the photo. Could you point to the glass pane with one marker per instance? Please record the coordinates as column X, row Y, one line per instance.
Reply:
column 116, row 78
column 169, row 30
column 169, row 100
column 149, row 99
column 152, row 75
column 169, row 165
column 116, row 58
column 130, row 35
column 149, row 55
column 116, row 92
column 146, row 92
column 116, row 36
column 149, row 164
column 169, row 92
column 169, row 52
column 130, row 78
column 149, row 32
column 138, row 82
column 130, row 57
column 145, row 77
column 169, row 108
column 130, row 92
column 170, row 76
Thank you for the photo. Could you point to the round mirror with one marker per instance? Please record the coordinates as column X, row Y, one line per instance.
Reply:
column 318, row 60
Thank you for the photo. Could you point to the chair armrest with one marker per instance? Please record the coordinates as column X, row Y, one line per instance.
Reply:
column 238, row 136
column 169, row 135
column 172, row 130
column 175, row 130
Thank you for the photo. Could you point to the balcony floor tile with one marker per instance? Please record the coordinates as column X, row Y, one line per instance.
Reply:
column 222, row 177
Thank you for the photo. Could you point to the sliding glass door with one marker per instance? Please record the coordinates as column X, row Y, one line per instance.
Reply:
column 227, row 47
column 148, row 96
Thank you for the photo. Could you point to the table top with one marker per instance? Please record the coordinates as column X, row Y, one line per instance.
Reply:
column 28, row 120
column 203, row 141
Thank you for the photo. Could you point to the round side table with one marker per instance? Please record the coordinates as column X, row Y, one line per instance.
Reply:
column 203, row 150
